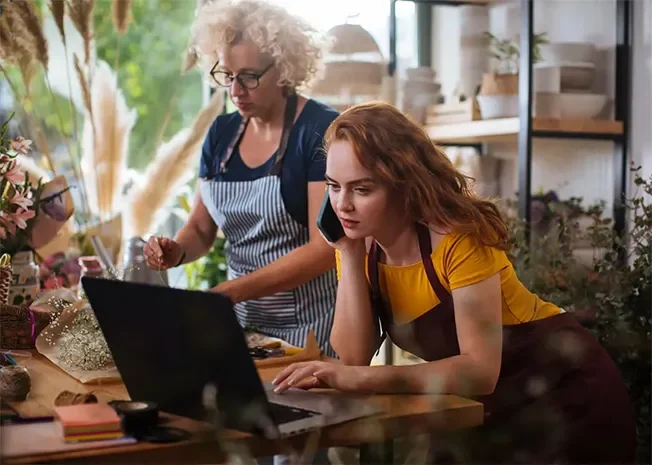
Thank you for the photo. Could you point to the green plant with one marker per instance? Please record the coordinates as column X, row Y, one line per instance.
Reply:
column 210, row 270
column 507, row 51
column 611, row 299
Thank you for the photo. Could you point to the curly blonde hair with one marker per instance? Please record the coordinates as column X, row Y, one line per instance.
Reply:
column 294, row 45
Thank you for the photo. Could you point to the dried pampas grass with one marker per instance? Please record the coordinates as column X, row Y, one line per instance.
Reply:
column 190, row 59
column 16, row 48
column 121, row 10
column 104, row 157
column 168, row 172
column 81, row 14
column 26, row 28
column 86, row 93
column 58, row 9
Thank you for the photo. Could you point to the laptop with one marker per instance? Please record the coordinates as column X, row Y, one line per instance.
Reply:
column 173, row 346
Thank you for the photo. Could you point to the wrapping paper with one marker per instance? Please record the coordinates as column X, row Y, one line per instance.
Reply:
column 48, row 343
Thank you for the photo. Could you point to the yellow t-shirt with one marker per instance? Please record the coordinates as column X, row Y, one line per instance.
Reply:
column 459, row 261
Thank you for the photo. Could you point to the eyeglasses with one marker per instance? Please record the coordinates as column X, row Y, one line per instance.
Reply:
column 248, row 80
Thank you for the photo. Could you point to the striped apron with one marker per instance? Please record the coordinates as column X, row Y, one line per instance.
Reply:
column 258, row 231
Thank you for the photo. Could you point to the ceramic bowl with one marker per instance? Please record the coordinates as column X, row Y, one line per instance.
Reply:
column 581, row 105
column 568, row 105
column 498, row 106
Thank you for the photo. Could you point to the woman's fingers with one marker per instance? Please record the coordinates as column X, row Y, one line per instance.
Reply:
column 155, row 263
column 295, row 377
column 308, row 383
column 155, row 246
column 156, row 253
column 285, row 372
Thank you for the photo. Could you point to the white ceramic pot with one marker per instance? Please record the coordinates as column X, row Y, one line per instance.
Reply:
column 498, row 106
column 26, row 285
column 565, row 77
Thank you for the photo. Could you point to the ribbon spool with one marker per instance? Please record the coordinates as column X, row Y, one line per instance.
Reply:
column 140, row 420
column 6, row 278
column 15, row 383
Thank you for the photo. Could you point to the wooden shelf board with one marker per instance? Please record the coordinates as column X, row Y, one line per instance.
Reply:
column 506, row 129
column 456, row 2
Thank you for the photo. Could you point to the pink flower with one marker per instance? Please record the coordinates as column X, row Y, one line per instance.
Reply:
column 44, row 271
column 55, row 259
column 7, row 222
column 21, row 217
column 21, row 200
column 21, row 145
column 54, row 282
column 14, row 175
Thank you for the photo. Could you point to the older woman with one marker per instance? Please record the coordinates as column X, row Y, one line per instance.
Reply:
column 262, row 173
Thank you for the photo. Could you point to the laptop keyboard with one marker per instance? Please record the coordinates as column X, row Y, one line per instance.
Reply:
column 286, row 414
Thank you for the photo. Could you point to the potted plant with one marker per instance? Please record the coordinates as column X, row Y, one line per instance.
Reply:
column 612, row 300
column 506, row 53
column 499, row 89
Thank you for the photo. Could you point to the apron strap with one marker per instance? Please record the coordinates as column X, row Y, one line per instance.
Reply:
column 288, row 122
column 233, row 144
column 377, row 305
column 425, row 247
column 372, row 270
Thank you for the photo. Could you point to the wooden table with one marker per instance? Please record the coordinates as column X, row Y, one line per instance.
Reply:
column 404, row 415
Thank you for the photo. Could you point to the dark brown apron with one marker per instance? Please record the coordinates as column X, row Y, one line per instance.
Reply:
column 559, row 396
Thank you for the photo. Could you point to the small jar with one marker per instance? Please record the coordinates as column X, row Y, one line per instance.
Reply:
column 90, row 266
column 26, row 285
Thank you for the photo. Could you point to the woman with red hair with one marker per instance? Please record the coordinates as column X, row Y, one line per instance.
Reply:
column 424, row 262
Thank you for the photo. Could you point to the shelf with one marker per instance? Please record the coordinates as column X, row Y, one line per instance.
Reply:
column 506, row 130
column 453, row 2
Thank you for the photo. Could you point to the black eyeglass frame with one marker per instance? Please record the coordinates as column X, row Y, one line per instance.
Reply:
column 257, row 76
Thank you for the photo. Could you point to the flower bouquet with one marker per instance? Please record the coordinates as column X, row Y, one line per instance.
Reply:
column 60, row 270
column 31, row 214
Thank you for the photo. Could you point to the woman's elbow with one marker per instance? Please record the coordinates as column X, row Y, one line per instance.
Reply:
column 323, row 253
column 485, row 383
column 347, row 355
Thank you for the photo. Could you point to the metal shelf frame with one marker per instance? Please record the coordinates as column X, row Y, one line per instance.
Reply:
column 623, row 85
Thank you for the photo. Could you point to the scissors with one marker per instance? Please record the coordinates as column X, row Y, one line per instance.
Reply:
column 259, row 352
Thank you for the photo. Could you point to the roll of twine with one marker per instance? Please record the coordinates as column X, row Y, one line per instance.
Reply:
column 15, row 383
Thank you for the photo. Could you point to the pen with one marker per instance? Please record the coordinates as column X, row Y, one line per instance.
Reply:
column 23, row 421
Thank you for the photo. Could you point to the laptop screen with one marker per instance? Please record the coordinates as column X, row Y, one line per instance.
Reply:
column 168, row 344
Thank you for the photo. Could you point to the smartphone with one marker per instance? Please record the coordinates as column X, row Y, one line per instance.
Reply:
column 328, row 222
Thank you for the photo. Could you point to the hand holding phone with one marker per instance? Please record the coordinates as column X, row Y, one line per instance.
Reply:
column 328, row 222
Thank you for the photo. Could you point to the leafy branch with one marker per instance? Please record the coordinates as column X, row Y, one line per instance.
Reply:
column 507, row 51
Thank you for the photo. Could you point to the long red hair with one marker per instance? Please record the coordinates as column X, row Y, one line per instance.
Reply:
column 399, row 154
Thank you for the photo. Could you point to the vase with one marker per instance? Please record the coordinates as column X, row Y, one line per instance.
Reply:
column 25, row 285
column 135, row 266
